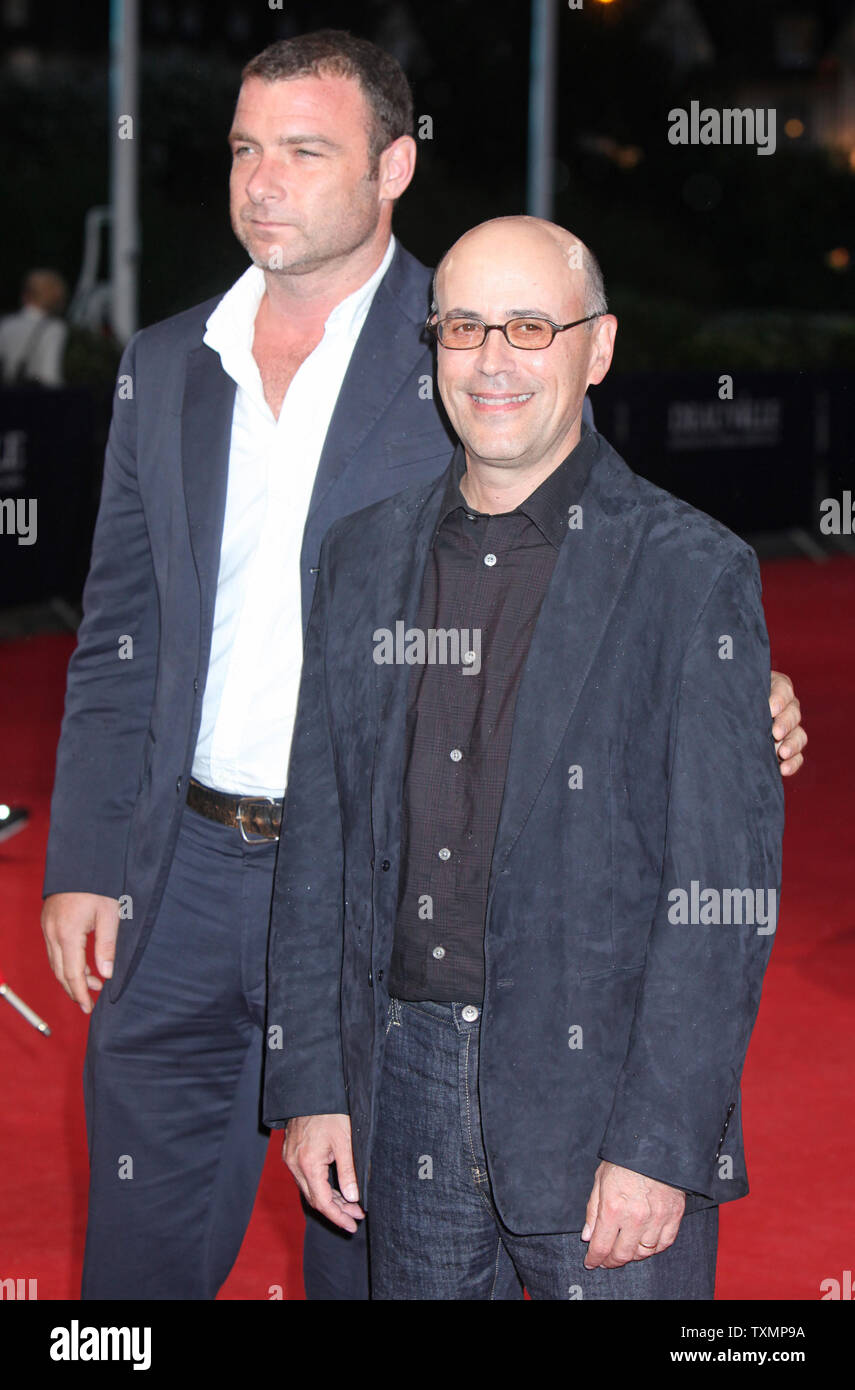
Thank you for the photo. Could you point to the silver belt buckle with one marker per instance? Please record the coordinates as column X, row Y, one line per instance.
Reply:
column 253, row 801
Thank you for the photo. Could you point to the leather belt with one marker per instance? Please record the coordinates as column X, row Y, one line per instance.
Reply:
column 256, row 817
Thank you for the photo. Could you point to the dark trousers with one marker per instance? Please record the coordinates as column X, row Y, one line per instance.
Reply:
column 172, row 1083
column 434, row 1231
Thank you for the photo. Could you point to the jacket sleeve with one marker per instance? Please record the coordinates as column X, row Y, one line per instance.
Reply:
column 303, row 1059
column 110, row 686
column 700, row 988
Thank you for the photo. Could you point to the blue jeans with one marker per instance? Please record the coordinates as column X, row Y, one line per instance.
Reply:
column 433, row 1228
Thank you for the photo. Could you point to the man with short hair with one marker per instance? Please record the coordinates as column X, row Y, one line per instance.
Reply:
column 242, row 428
column 500, row 1017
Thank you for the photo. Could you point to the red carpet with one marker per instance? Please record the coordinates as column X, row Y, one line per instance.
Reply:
column 790, row 1234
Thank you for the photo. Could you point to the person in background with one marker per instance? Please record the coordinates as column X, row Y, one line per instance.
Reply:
column 32, row 342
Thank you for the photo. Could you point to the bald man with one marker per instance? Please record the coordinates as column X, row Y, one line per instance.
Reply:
column 530, row 861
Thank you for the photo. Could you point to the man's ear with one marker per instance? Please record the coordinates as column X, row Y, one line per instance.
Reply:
column 602, row 348
column 397, row 166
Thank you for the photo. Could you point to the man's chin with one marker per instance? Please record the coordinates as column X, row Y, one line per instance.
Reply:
column 267, row 254
column 491, row 447
column 271, row 258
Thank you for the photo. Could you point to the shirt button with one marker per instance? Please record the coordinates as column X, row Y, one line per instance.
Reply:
column 490, row 560
column 385, row 866
column 438, row 952
column 455, row 755
column 470, row 1013
column 178, row 785
column 195, row 686
column 445, row 854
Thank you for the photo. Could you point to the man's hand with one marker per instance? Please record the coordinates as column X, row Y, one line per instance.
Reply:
column 629, row 1217
column 312, row 1143
column 787, row 715
column 67, row 920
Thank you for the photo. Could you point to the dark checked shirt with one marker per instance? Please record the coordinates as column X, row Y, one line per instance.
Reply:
column 486, row 575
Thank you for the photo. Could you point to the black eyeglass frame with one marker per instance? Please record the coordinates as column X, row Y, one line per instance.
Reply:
column 433, row 328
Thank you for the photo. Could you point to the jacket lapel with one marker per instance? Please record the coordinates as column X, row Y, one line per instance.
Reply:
column 591, row 570
column 380, row 364
column 402, row 569
column 206, row 428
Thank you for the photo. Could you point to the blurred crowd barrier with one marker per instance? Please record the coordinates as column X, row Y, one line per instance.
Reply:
column 49, row 480
column 758, row 450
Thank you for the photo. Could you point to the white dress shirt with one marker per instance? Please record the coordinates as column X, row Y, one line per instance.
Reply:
column 250, row 698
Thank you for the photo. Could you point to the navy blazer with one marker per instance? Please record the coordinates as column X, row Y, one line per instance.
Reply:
column 648, row 675
column 130, row 725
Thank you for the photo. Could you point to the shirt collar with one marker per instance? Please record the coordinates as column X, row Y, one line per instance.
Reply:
column 349, row 315
column 548, row 506
column 231, row 325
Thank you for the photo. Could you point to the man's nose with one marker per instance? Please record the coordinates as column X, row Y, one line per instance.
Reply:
column 265, row 181
column 495, row 353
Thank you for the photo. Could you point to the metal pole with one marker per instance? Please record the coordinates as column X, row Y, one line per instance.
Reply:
column 541, row 108
column 124, row 137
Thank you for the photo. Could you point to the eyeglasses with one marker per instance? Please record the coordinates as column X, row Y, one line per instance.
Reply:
column 532, row 335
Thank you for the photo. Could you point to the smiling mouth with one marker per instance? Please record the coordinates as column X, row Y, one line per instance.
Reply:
column 501, row 400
